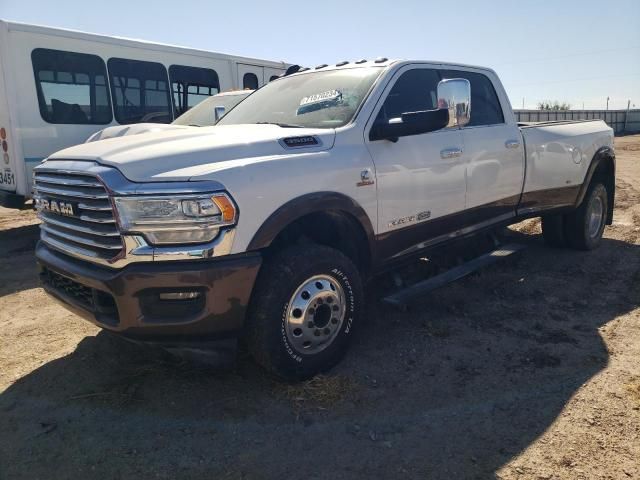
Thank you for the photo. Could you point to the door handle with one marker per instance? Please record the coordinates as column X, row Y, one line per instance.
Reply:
column 512, row 144
column 448, row 153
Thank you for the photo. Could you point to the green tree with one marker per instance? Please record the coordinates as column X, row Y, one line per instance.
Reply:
column 554, row 106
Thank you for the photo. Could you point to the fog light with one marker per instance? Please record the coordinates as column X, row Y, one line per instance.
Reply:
column 179, row 295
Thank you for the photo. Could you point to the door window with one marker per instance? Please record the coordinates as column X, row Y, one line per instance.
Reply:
column 71, row 87
column 140, row 91
column 191, row 85
column 485, row 106
column 414, row 91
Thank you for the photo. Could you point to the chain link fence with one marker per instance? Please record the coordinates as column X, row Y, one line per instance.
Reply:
column 622, row 121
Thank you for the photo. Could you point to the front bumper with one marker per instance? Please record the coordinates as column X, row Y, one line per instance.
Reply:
column 11, row 200
column 127, row 300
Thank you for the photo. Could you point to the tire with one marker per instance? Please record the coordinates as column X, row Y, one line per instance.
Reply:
column 583, row 228
column 307, row 301
column 553, row 231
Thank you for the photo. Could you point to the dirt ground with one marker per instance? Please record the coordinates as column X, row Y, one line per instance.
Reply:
column 528, row 369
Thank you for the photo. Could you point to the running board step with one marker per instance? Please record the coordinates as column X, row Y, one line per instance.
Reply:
column 406, row 296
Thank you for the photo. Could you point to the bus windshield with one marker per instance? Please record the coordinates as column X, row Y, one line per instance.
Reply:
column 320, row 99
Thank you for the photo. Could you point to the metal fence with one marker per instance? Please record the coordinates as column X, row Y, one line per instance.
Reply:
column 622, row 121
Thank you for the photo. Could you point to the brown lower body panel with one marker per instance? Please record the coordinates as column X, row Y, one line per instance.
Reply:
column 128, row 300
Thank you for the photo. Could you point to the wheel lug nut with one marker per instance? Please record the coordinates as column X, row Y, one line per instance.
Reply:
column 317, row 332
column 329, row 300
column 312, row 311
column 335, row 308
column 320, row 302
column 327, row 331
column 334, row 320
column 310, row 324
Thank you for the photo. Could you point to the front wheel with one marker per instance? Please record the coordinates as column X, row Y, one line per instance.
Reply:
column 306, row 304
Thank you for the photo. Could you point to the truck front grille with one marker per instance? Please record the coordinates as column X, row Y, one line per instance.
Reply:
column 76, row 215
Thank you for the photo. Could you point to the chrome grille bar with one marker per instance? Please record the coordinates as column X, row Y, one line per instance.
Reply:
column 69, row 224
column 69, row 182
column 97, row 219
column 96, row 208
column 75, row 192
column 80, row 239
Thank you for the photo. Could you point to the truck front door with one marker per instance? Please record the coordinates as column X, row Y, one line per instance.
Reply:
column 420, row 178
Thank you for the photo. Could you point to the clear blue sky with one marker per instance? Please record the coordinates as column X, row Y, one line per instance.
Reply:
column 568, row 50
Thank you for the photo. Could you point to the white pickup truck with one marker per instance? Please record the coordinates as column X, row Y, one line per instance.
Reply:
column 266, row 225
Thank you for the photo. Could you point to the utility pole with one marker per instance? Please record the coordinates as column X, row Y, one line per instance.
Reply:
column 607, row 103
column 523, row 103
column 626, row 116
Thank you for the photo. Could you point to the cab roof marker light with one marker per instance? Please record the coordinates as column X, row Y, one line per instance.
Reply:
column 362, row 60
column 344, row 62
column 321, row 66
column 291, row 70
column 381, row 59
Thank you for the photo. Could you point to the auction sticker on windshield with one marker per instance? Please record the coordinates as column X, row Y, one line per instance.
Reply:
column 318, row 101
column 321, row 97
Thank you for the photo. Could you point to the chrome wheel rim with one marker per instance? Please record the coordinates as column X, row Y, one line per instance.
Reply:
column 595, row 216
column 315, row 314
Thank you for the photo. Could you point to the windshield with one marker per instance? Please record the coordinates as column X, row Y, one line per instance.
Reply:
column 326, row 99
column 202, row 115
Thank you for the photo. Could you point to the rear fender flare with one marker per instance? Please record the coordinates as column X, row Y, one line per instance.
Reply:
column 603, row 154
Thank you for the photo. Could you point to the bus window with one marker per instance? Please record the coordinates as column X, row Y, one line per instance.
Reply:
column 140, row 91
column 191, row 85
column 250, row 81
column 71, row 87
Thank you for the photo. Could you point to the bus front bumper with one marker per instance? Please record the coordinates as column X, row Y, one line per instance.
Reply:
column 11, row 200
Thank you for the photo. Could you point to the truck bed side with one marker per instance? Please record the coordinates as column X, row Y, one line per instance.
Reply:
column 558, row 156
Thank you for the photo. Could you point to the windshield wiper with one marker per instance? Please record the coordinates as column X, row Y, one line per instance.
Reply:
column 283, row 125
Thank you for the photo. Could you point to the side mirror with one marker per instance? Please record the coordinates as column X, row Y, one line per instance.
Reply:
column 218, row 113
column 411, row 123
column 455, row 95
column 454, row 111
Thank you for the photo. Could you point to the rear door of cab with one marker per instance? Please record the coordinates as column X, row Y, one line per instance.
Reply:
column 493, row 150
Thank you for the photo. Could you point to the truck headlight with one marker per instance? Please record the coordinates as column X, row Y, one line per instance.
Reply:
column 176, row 219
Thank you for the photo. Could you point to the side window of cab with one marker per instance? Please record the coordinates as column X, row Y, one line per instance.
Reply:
column 414, row 91
column 485, row 106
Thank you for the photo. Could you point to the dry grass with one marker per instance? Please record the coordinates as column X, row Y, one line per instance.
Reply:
column 634, row 390
column 531, row 226
column 320, row 393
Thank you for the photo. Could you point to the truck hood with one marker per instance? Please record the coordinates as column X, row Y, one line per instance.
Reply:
column 182, row 153
column 134, row 129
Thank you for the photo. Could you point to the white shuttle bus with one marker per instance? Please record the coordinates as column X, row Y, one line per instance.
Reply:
column 57, row 87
